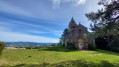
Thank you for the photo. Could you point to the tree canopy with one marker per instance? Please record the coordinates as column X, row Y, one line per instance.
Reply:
column 105, row 23
column 106, row 20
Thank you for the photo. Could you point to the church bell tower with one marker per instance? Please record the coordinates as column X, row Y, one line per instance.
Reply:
column 72, row 24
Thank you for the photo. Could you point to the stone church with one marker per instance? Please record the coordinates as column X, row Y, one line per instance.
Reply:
column 75, row 35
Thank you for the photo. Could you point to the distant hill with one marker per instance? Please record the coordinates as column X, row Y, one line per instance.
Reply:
column 24, row 44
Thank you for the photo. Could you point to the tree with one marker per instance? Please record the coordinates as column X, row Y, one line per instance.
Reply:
column 61, row 40
column 106, row 17
column 65, row 31
column 106, row 21
column 2, row 45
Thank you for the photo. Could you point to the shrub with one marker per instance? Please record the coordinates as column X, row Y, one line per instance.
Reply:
column 2, row 45
column 101, row 43
column 91, row 47
column 29, row 47
column 115, row 49
column 114, row 44
column 36, row 47
column 71, row 46
column 54, row 45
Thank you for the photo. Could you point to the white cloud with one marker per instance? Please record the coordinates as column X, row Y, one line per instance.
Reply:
column 81, row 2
column 14, row 23
column 6, row 7
column 37, row 32
column 26, row 10
column 14, row 37
column 56, row 3
column 4, row 29
column 57, row 33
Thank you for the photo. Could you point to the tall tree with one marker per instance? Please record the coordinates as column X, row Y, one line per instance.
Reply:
column 105, row 18
column 106, row 22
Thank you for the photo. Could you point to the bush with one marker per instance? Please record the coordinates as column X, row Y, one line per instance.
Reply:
column 36, row 47
column 2, row 45
column 54, row 45
column 71, row 46
column 114, row 44
column 91, row 47
column 101, row 43
column 29, row 47
column 115, row 49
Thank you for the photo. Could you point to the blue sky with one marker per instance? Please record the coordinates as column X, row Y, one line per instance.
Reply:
column 41, row 20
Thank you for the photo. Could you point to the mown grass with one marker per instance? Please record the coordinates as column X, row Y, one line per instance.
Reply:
column 58, row 57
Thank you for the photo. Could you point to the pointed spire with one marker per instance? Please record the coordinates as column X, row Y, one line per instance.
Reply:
column 72, row 24
column 72, row 20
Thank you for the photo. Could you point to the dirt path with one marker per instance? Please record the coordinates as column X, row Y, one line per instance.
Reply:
column 13, row 48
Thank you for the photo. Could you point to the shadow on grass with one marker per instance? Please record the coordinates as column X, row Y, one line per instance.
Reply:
column 76, row 63
column 106, row 52
column 56, row 48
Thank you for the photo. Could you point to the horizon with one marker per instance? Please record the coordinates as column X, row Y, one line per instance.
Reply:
column 42, row 20
column 28, row 42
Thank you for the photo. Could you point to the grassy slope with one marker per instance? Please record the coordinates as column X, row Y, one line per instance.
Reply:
column 58, row 57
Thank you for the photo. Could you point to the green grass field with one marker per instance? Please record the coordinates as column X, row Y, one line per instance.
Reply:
column 58, row 57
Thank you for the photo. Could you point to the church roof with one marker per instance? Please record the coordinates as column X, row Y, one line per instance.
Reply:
column 80, row 25
column 72, row 21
